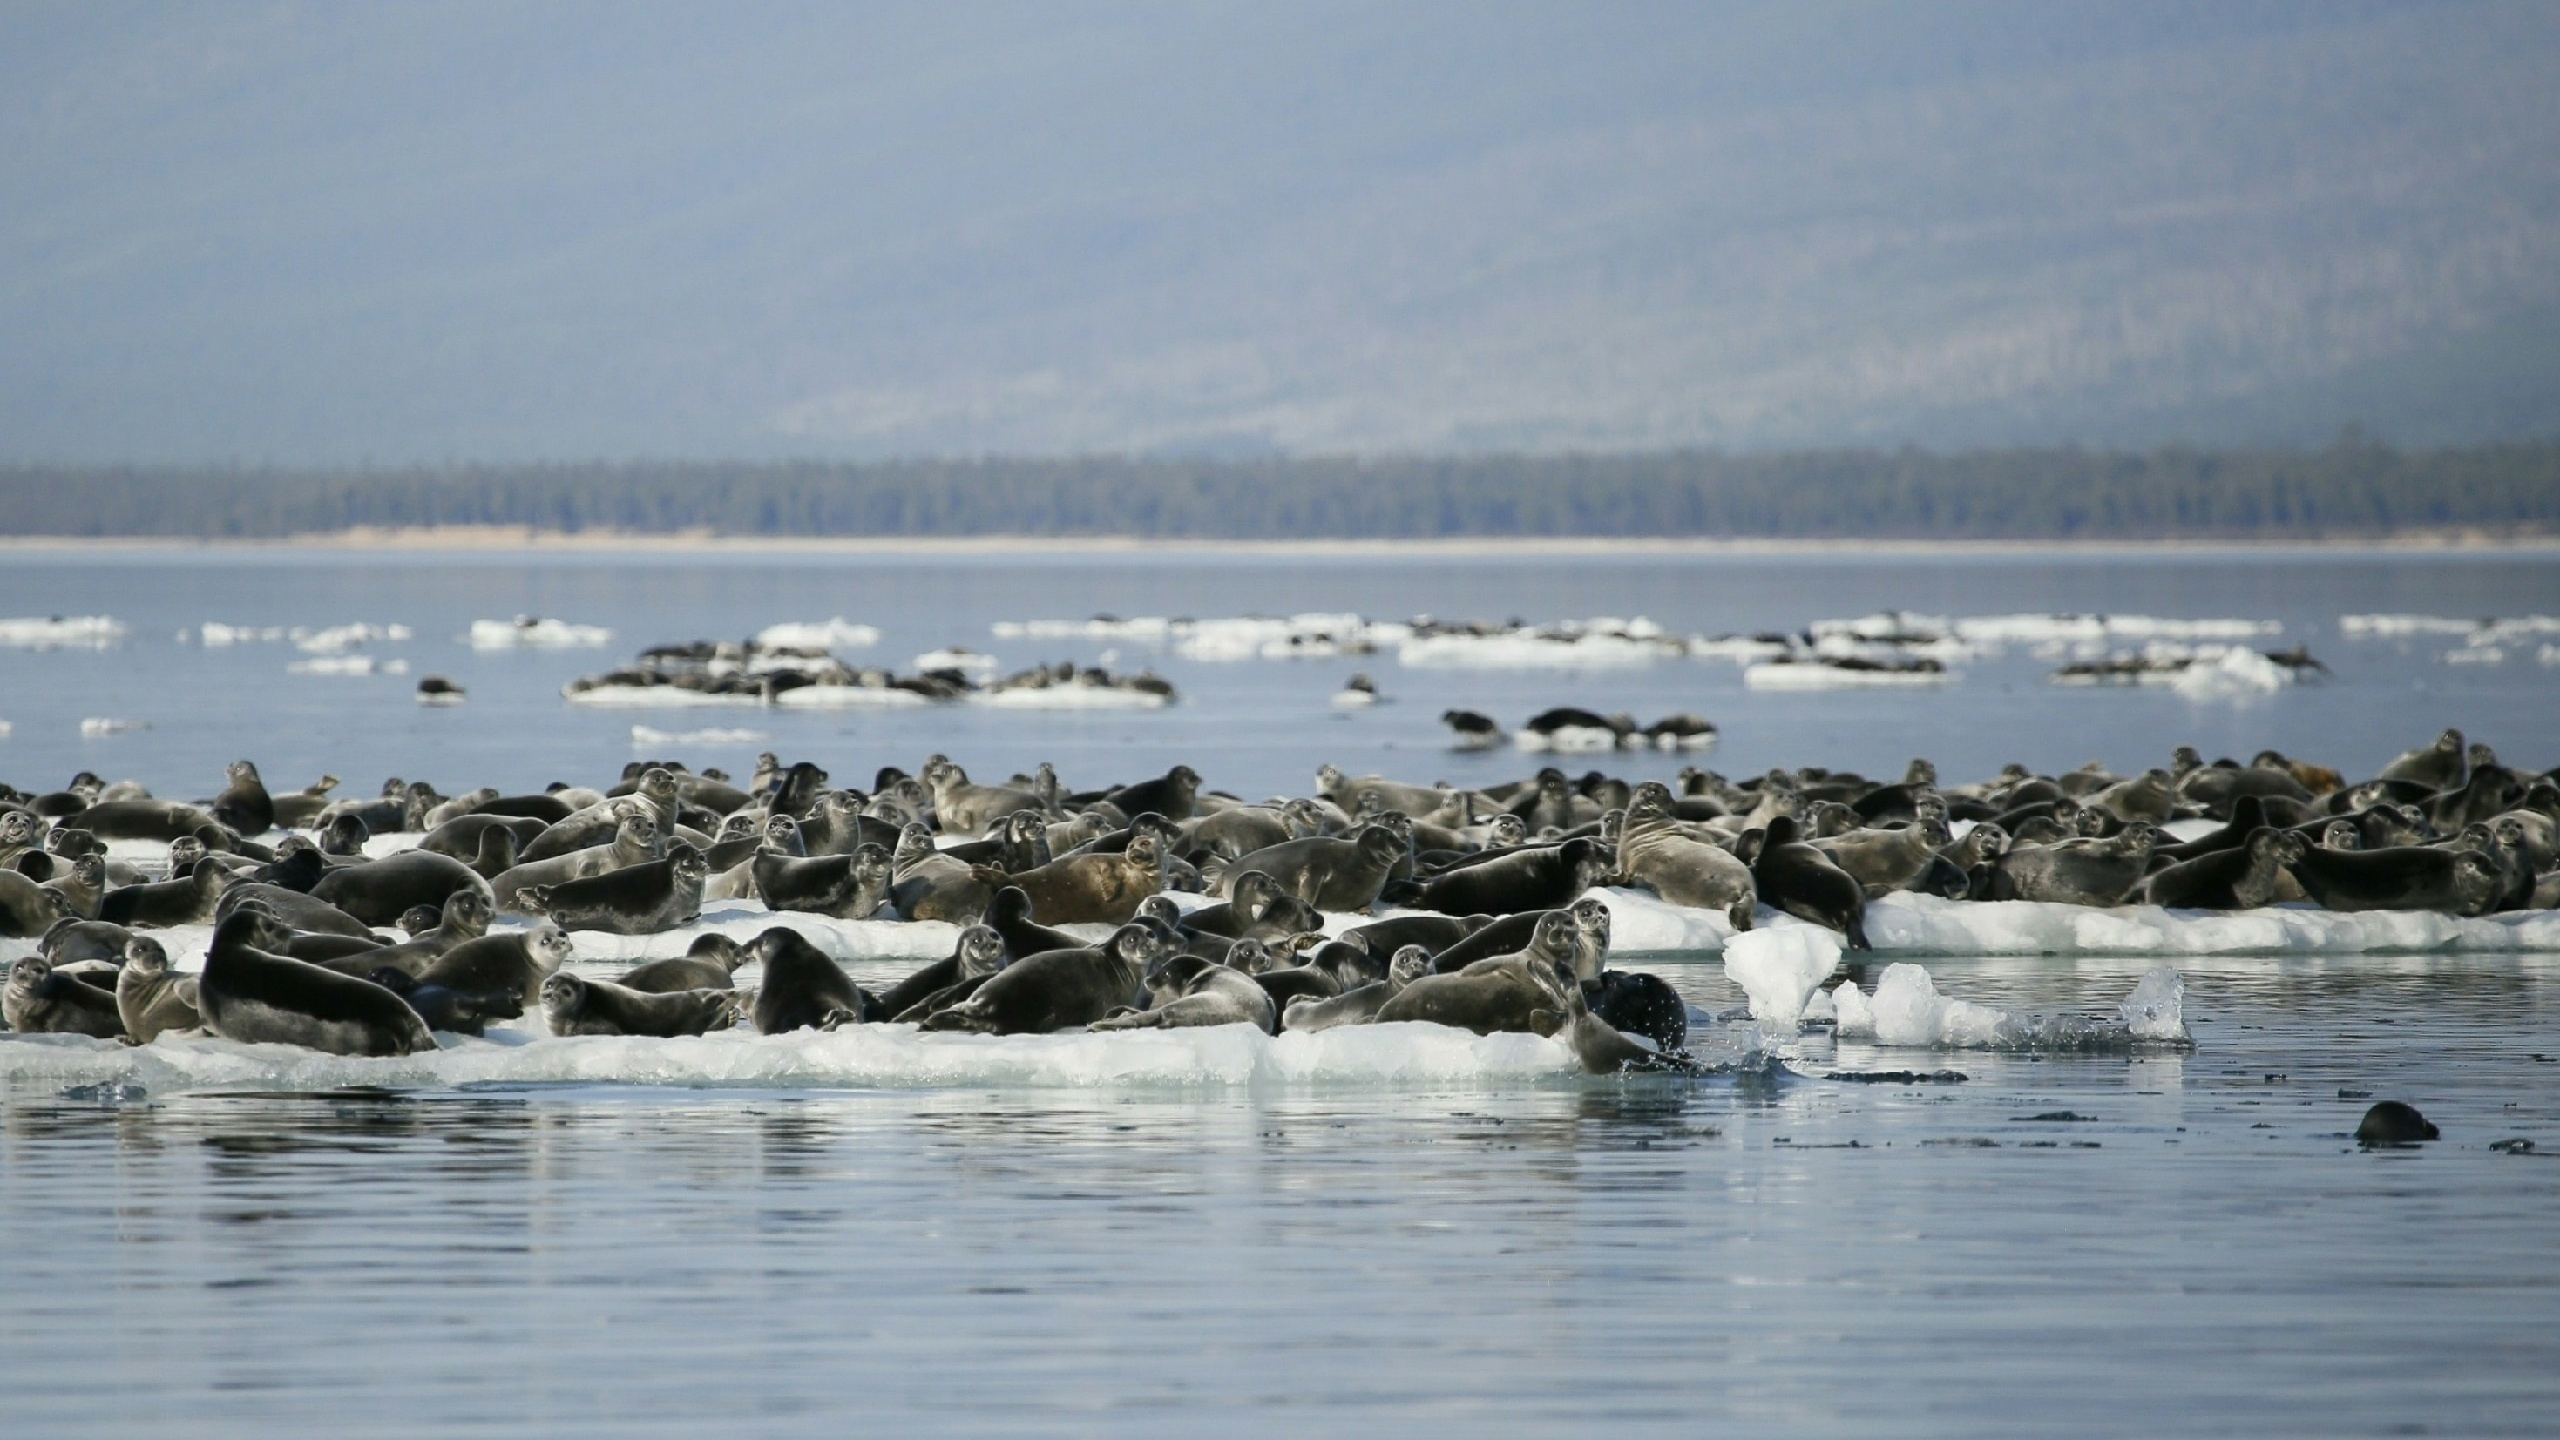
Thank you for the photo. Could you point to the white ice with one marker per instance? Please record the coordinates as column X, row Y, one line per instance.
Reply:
column 642, row 735
column 101, row 725
column 214, row 635
column 656, row 697
column 2156, row 1010
column 56, row 632
column 836, row 634
column 2237, row 673
column 1066, row 697
column 1781, row 970
column 526, row 632
column 1832, row 677
column 968, row 662
column 2029, row 628
column 348, row 665
column 335, row 639
column 846, row 697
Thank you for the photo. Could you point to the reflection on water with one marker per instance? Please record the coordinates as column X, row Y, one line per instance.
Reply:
column 2200, row 1248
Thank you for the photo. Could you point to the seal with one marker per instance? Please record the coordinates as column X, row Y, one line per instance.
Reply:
column 2097, row 873
column 635, row 841
column 708, row 964
column 2403, row 877
column 1058, row 989
column 1523, row 991
column 965, row 809
column 1331, row 874
column 515, row 962
column 41, row 1000
column 83, row 886
column 849, row 887
column 1658, row 850
column 929, row 885
column 152, row 999
column 638, row 900
column 466, row 837
column 299, row 809
column 1472, row 730
column 244, row 806
column 2241, row 879
column 377, row 892
column 1172, row 795
column 161, row 820
column 2440, row 766
column 979, row 952
column 2391, row 1122
column 1604, row 1050
column 72, row 941
column 252, row 995
column 292, row 908
column 168, row 902
column 1793, row 876
column 461, row 1012
column 576, row 1006
column 597, row 824
column 464, row 916
column 803, row 989
column 1188, row 991
column 27, row 909
column 1434, row 933
column 1542, row 877
column 1640, row 1004
column 1359, row 1005
column 1090, row 889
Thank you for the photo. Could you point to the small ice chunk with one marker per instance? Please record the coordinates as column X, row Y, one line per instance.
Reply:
column 535, row 632
column 1857, row 1017
column 2156, row 1010
column 98, row 725
column 1910, row 1011
column 835, row 634
column 38, row 632
column 1781, row 968
column 1820, row 1007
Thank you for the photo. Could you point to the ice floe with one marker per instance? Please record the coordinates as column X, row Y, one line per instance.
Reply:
column 836, row 634
column 1846, row 674
column 97, row 726
column 348, row 665
column 1907, row 1009
column 336, row 639
column 530, row 632
column 642, row 736
column 61, row 632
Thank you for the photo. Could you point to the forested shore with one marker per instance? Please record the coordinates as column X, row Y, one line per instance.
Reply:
column 2347, row 490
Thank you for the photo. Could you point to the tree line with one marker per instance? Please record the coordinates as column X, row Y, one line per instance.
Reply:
column 2352, row 488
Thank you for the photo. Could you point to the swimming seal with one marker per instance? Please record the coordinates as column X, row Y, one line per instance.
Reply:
column 41, row 1000
column 638, row 900
column 2392, row 1123
column 576, row 1006
column 152, row 999
column 1058, row 989
column 802, row 989
column 249, row 994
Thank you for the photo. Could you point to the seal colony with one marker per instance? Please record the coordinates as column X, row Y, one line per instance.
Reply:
column 363, row 925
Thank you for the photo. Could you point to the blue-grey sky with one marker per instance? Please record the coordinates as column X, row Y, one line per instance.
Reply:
column 322, row 233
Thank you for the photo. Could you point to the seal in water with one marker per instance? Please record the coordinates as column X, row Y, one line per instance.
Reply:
column 1799, row 879
column 641, row 900
column 2393, row 1123
column 1640, row 1004
column 41, row 1000
column 576, row 1006
column 151, row 998
column 708, row 964
column 1058, row 989
column 517, row 962
column 1188, row 991
column 253, row 995
column 803, row 989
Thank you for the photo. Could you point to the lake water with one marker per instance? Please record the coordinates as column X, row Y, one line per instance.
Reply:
column 1468, row 1245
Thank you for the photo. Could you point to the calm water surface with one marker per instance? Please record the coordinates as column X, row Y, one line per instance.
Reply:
column 2201, row 1251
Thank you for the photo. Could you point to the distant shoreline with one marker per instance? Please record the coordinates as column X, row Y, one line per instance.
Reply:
column 524, row 539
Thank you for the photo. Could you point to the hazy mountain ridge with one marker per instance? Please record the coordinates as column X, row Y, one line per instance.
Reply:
column 321, row 235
